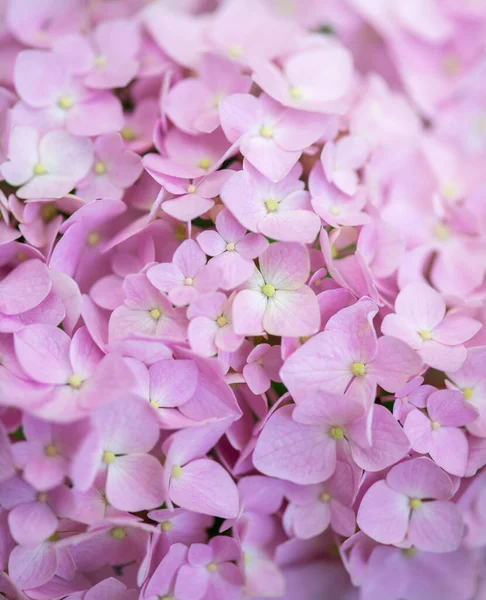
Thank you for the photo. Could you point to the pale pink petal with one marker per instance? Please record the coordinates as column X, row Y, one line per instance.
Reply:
column 248, row 312
column 292, row 313
column 32, row 523
column 420, row 478
column 205, row 487
column 173, row 382
column 303, row 454
column 442, row 357
column 419, row 431
column 134, row 482
column 421, row 305
column 383, row 514
column 450, row 450
column 456, row 330
column 436, row 527
column 285, row 265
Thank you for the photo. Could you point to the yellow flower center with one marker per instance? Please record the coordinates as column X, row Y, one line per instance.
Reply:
column 93, row 238
column 468, row 393
column 188, row 281
column 358, row 369
column 127, row 133
column 271, row 205
column 108, row 457
column 42, row 497
column 205, row 163
column 39, row 169
column 75, row 381
column 221, row 321
column 48, row 212
column 266, row 131
column 435, row 425
column 191, row 188
column 100, row 61
column 441, row 232
column 325, row 497
column 166, row 526
column 337, row 433
column 425, row 334
column 176, row 471
column 155, row 313
column 415, row 503
column 165, row 597
column 212, row 567
column 234, row 52
column 268, row 290
column 230, row 246
column 118, row 533
column 99, row 168
column 154, row 404
column 334, row 210
column 65, row 102
column 50, row 450
column 409, row 552
column 295, row 93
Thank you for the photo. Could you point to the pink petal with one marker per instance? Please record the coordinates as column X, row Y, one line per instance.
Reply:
column 24, row 288
column 202, row 335
column 248, row 312
column 442, row 357
column 291, row 226
column 43, row 351
column 449, row 408
column 32, row 523
column 303, row 454
column 383, row 514
column 455, row 329
column 205, row 487
column 450, row 450
column 419, row 432
column 421, row 305
column 292, row 313
column 32, row 567
column 420, row 478
column 173, row 382
column 394, row 364
column 256, row 378
column 134, row 482
column 436, row 527
column 389, row 443
column 285, row 265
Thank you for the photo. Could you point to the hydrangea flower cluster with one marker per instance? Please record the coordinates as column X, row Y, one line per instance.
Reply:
column 242, row 299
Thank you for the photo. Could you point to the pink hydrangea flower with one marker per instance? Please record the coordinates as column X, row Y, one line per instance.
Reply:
column 145, row 312
column 211, row 325
column 276, row 299
column 187, row 276
column 188, row 157
column 122, row 437
column 72, row 371
column 412, row 505
column 210, row 571
column 262, row 366
column 114, row 169
column 342, row 160
column 192, row 104
column 304, row 84
column 312, row 509
column 420, row 320
column 46, row 167
column 438, row 432
column 270, row 136
column 348, row 357
column 333, row 206
column 232, row 249
column 280, row 211
column 471, row 380
column 301, row 444
column 54, row 98
column 195, row 482
column 109, row 58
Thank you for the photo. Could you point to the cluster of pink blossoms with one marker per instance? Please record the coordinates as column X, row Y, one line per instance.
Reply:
column 242, row 298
